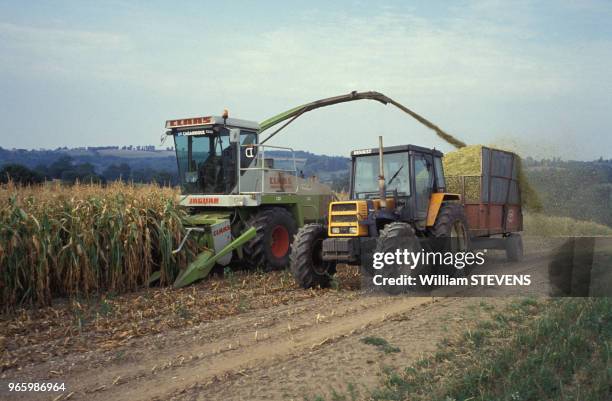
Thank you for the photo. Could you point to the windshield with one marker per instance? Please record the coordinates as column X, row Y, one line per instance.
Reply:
column 397, row 175
column 207, row 163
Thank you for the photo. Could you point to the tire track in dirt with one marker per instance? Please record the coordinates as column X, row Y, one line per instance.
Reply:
column 220, row 359
column 417, row 332
column 166, row 364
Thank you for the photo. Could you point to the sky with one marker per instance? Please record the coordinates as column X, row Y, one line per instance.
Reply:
column 535, row 77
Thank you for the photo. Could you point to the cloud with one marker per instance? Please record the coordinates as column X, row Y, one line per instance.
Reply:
column 65, row 52
column 37, row 38
column 403, row 53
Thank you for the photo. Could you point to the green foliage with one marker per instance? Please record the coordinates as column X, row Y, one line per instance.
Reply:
column 381, row 343
column 116, row 172
column 19, row 175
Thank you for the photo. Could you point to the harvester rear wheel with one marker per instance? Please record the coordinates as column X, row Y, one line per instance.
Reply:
column 399, row 236
column 307, row 265
column 450, row 233
column 271, row 246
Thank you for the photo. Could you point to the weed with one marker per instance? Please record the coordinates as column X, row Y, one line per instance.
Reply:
column 381, row 343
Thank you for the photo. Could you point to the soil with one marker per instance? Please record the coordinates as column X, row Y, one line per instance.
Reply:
column 307, row 344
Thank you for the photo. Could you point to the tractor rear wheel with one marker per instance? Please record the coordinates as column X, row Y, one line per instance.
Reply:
column 307, row 265
column 450, row 233
column 393, row 237
column 271, row 246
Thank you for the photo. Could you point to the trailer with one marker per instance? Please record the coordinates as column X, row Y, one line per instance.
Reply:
column 492, row 202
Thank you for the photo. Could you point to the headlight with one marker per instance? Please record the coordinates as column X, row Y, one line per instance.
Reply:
column 335, row 230
column 353, row 230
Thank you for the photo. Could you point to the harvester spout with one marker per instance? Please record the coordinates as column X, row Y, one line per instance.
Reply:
column 290, row 115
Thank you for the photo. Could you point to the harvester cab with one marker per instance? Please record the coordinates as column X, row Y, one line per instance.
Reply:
column 245, row 200
column 210, row 152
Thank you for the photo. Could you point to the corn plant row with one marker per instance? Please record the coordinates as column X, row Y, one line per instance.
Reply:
column 58, row 241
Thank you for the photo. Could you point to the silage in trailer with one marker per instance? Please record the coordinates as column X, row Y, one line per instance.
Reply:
column 466, row 171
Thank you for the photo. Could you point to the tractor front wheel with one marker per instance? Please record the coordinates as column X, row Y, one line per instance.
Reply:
column 272, row 244
column 394, row 237
column 307, row 265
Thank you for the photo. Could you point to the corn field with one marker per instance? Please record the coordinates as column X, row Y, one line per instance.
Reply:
column 58, row 241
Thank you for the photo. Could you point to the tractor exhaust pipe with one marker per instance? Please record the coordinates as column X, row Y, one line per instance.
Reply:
column 382, row 188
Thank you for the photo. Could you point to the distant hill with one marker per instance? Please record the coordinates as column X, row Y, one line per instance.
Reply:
column 577, row 189
column 100, row 157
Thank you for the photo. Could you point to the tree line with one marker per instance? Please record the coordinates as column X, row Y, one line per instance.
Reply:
column 68, row 171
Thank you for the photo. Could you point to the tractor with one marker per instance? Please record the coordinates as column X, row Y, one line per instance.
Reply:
column 399, row 203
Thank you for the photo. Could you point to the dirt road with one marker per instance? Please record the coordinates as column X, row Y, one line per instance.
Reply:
column 290, row 351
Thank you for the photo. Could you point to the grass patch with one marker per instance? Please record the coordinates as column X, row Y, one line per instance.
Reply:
column 535, row 350
column 381, row 344
column 551, row 226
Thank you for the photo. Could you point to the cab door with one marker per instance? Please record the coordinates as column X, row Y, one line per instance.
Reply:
column 422, row 167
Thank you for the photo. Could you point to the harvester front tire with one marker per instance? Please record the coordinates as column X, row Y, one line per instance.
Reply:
column 394, row 236
column 271, row 246
column 307, row 265
column 514, row 248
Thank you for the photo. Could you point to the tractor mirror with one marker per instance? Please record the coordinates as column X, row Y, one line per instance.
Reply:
column 234, row 135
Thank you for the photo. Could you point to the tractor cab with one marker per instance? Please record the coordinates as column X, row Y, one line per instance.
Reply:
column 411, row 175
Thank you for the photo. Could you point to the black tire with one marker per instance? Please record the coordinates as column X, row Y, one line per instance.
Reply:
column 394, row 236
column 266, row 250
column 450, row 232
column 307, row 266
column 514, row 248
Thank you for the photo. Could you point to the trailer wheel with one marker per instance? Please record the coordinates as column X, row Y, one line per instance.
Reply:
column 271, row 246
column 399, row 236
column 450, row 232
column 307, row 265
column 514, row 248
